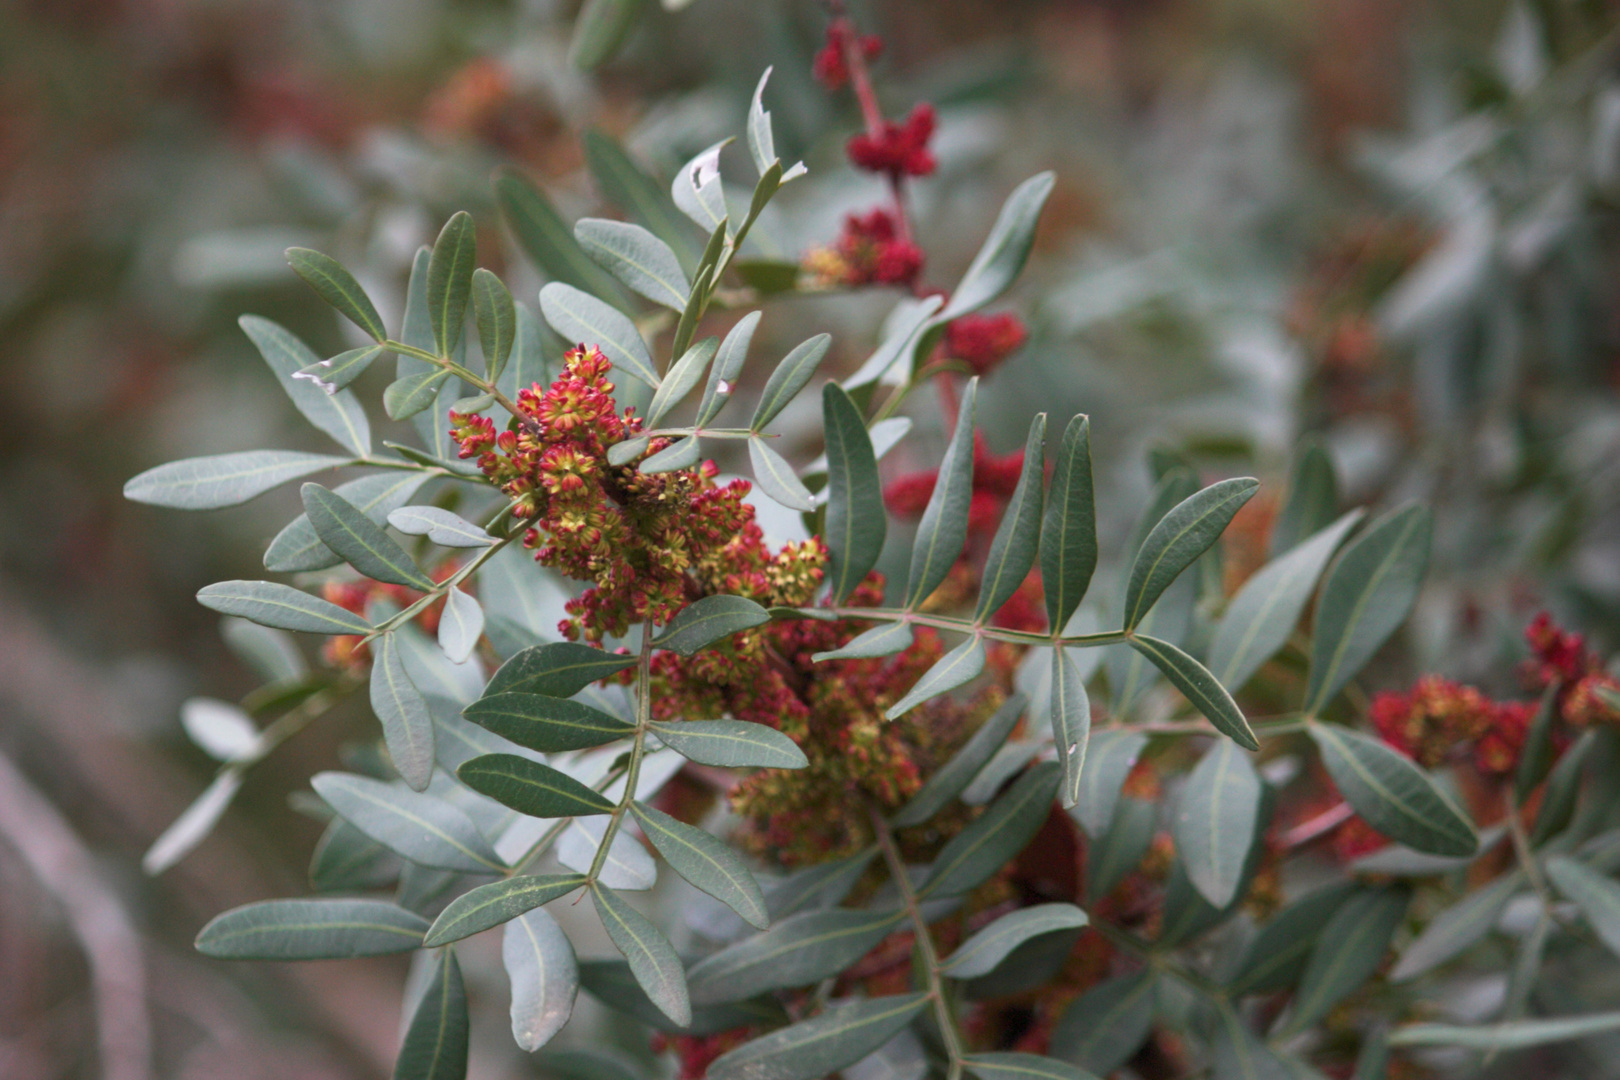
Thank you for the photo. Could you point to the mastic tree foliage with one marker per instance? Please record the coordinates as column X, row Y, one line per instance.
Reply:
column 1003, row 812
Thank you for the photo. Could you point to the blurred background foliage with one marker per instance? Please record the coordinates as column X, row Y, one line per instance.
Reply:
column 1386, row 225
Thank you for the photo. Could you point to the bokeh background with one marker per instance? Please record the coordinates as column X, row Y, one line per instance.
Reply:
column 1387, row 224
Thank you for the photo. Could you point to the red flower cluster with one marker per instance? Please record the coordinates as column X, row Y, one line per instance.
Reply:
column 870, row 251
column 831, row 67
column 1438, row 717
column 983, row 342
column 1559, row 657
column 898, row 149
column 994, row 479
column 697, row 1052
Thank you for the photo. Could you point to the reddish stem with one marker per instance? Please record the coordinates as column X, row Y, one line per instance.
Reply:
column 1318, row 826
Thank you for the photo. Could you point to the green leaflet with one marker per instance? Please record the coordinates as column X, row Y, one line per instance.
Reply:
column 208, row 483
column 1111, row 757
column 439, row 526
column 612, row 983
column 1457, row 928
column 1276, row 957
column 425, row 829
column 412, row 394
column 1563, row 787
column 1536, row 759
column 943, row 530
column 531, row 788
column 1012, row 552
column 600, row 30
column 705, row 862
column 270, row 603
column 544, row 973
column 1351, row 947
column 818, row 886
column 1018, row 1066
column 704, row 622
column 1201, row 688
column 547, row 724
column 1002, row 256
column 1071, row 723
column 491, row 905
column 636, row 257
column 338, row 415
column 1512, row 1035
column 361, row 542
column 1238, row 1055
column 449, row 279
column 496, row 316
column 1214, row 824
column 796, row 951
column 681, row 454
column 1069, row 526
column 624, row 183
column 347, row 860
column 961, row 665
column 728, row 366
column 731, row 744
column 651, row 957
column 998, row 834
column 559, row 669
column 341, row 370
column 856, row 520
column 583, row 319
column 1394, row 795
column 435, row 1046
column 1312, row 501
column 1180, row 537
column 681, row 379
column 545, row 238
column 1368, row 593
column 297, row 547
column 788, row 378
column 814, row 1048
column 777, row 479
column 311, row 930
column 1107, row 1024
column 885, row 639
column 980, row 954
column 337, row 287
column 1597, row 896
column 1115, row 853
column 955, row 775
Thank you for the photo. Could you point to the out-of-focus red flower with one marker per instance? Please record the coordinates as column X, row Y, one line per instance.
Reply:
column 994, row 479
column 899, row 149
column 831, row 68
column 1498, row 749
column 1582, row 704
column 1557, row 654
column 697, row 1052
column 1356, row 838
column 1430, row 720
column 983, row 341
column 870, row 251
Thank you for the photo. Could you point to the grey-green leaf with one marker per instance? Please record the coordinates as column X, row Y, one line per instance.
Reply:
column 1071, row 723
column 815, row 1048
column 361, row 542
column 950, row 780
column 1457, row 928
column 547, row 724
column 341, row 370
column 298, row 547
column 1111, row 757
column 440, row 526
column 559, row 669
column 1180, row 537
column 995, row 836
column 788, row 378
column 1069, row 526
column 704, row 861
column 269, row 603
column 411, row 394
column 1262, row 616
column 731, row 744
column 1004, row 251
column 530, row 787
column 600, row 30
column 1009, row 1065
column 544, row 974
column 885, row 639
column 1276, row 957
column 207, row 483
column 1511, row 1035
column 1012, row 552
column 1395, row 796
column 776, row 477
column 943, row 530
column 1312, row 501
column 636, row 257
column 545, row 238
column 980, row 954
column 1350, row 948
column 818, row 886
column 435, row 1046
column 727, row 370
column 583, row 319
column 623, row 182
column 1201, row 688
column 961, row 665
column 1597, row 896
column 856, row 520
column 337, row 287
column 339, row 414
column 425, row 829
column 704, row 622
column 797, row 951
column 449, row 279
column 1120, row 850
column 1368, row 593
column 1214, row 825
column 1237, row 1054
column 461, row 624
column 1107, row 1024
column 652, row 959
column 1563, row 787
column 496, row 317
column 680, row 454
column 311, row 930
column 491, row 905
column 682, row 377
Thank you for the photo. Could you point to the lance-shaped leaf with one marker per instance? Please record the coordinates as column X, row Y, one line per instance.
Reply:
column 651, row 957
column 435, row 1046
column 360, row 541
column 1264, row 613
column 681, row 454
column 761, row 140
column 796, row 951
column 943, row 529
column 1198, row 686
column 950, row 780
column 1536, row 759
column 705, row 862
column 1312, row 501
column 1395, row 796
column 528, row 363
column 500, row 901
column 582, row 318
column 856, row 520
column 611, row 982
column 1214, row 825
column 1511, row 1035
column 1004, row 251
column 270, row 603
column 636, row 257
column 449, row 279
column 1012, row 552
column 194, row 823
column 1071, row 723
column 545, row 238
column 1107, row 1024
column 819, row 886
column 412, row 394
column 1109, row 760
column 272, row 655
column 208, row 483
column 995, row 836
column 980, row 954
column 776, row 477
column 683, row 376
column 1186, row 913
column 540, row 965
column 439, row 526
column 1598, row 897
column 461, row 624
column 1563, row 787
column 1236, row 1053
column 728, row 366
column 788, row 378
column 1069, row 526
column 1115, row 853
column 623, row 453
column 1350, row 948
column 496, row 317
column 1368, row 593
column 1276, row 957
column 818, row 1047
column 338, row 372
column 338, row 288
column 697, row 191
column 347, row 860
column 961, row 665
column 1020, row 1066
column 298, row 547
column 530, row 787
column 1457, row 928
column 885, row 639
column 311, row 930
column 339, row 414
column 559, row 669
column 1181, row 536
column 425, row 829
column 731, row 744
column 704, row 622
column 645, row 199
column 547, row 724
column 223, row 731
column 908, row 322
column 600, row 31
column 399, row 705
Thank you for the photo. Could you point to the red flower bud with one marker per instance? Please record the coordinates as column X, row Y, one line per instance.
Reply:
column 897, row 149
